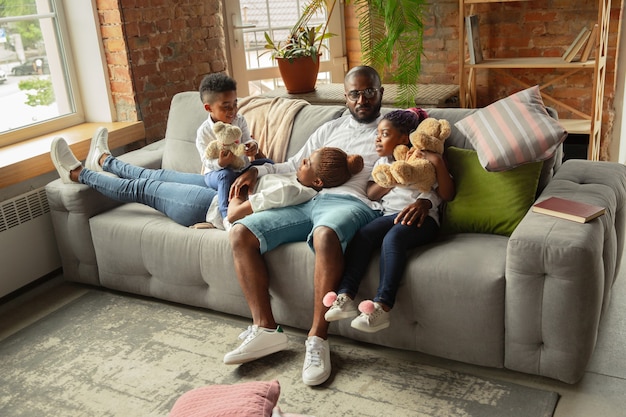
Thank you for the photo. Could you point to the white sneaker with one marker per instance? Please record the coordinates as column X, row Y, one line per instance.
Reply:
column 63, row 159
column 372, row 322
column 98, row 147
column 316, row 369
column 343, row 308
column 257, row 342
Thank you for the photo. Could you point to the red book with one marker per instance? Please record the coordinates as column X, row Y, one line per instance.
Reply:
column 568, row 209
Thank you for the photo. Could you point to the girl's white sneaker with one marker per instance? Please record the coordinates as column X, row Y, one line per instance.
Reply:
column 372, row 322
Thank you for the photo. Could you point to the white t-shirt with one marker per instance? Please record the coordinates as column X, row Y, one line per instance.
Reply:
column 344, row 133
column 205, row 134
column 279, row 190
column 399, row 197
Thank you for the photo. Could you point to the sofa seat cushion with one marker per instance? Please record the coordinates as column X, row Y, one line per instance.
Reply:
column 140, row 250
column 452, row 298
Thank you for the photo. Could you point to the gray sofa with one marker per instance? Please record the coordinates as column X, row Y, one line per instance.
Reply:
column 530, row 302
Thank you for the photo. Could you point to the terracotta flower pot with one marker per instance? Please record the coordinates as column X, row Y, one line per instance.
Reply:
column 299, row 74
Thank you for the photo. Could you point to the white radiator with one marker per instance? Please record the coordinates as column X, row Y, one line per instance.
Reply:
column 28, row 248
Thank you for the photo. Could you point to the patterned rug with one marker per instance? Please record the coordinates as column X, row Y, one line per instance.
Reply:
column 106, row 354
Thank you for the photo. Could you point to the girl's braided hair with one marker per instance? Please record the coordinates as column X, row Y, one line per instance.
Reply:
column 405, row 121
column 335, row 167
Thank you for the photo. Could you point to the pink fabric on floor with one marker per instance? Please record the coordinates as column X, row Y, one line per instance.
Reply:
column 256, row 399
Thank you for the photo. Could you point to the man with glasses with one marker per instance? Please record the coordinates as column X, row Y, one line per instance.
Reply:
column 327, row 223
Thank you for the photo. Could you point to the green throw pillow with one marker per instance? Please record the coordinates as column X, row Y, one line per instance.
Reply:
column 487, row 202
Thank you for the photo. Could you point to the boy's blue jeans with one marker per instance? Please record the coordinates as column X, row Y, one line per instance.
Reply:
column 394, row 240
column 182, row 197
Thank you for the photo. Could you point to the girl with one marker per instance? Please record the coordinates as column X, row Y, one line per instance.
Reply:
column 410, row 219
column 326, row 168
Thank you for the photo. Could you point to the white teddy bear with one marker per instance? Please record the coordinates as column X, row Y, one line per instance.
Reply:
column 228, row 138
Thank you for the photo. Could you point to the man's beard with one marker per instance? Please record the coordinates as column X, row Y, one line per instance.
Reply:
column 373, row 114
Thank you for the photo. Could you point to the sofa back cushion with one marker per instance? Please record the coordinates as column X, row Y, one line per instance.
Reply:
column 307, row 121
column 185, row 116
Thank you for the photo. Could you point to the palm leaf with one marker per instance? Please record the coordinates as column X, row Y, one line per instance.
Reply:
column 391, row 33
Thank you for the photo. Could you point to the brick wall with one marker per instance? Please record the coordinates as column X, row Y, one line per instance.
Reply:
column 157, row 48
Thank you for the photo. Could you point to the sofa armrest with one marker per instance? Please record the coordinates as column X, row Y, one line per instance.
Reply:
column 559, row 274
column 150, row 156
column 71, row 207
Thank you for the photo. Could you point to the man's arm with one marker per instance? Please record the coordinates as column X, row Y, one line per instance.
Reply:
column 238, row 208
column 415, row 213
column 243, row 183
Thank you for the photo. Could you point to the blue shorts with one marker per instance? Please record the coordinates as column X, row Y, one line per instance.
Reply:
column 344, row 214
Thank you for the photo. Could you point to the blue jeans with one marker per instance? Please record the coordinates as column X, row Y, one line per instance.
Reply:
column 345, row 215
column 394, row 240
column 182, row 197
column 221, row 181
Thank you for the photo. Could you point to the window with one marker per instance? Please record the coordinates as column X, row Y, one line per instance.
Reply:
column 251, row 64
column 46, row 85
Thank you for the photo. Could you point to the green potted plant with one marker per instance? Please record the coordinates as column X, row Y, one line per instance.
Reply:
column 391, row 35
column 298, row 55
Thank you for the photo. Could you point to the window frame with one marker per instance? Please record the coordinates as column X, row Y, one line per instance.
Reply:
column 87, row 72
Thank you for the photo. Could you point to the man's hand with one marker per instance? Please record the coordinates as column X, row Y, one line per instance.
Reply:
column 244, row 183
column 414, row 213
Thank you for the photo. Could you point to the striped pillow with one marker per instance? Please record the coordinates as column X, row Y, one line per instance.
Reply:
column 513, row 131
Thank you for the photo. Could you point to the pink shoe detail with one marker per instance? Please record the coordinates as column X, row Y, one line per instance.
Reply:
column 367, row 307
column 329, row 298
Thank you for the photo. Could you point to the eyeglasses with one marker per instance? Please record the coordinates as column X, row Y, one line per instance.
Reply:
column 368, row 93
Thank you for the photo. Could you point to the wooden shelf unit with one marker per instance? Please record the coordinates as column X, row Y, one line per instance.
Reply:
column 584, row 123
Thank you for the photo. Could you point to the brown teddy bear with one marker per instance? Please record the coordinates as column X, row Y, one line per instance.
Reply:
column 409, row 170
column 229, row 138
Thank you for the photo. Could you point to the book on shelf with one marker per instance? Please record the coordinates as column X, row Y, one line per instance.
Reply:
column 593, row 39
column 576, row 46
column 473, row 39
column 568, row 209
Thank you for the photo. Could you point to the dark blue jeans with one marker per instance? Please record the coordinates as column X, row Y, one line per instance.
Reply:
column 394, row 240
